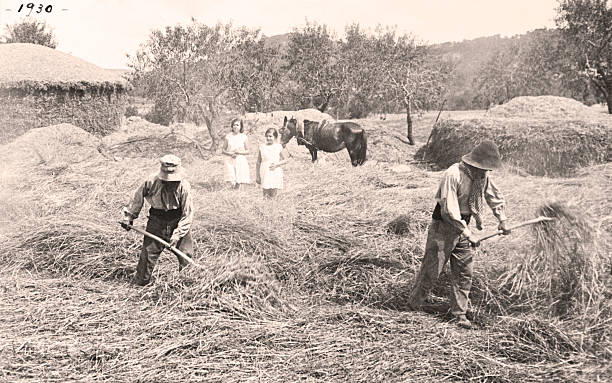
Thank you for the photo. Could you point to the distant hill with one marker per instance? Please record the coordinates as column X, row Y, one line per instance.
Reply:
column 280, row 41
column 470, row 56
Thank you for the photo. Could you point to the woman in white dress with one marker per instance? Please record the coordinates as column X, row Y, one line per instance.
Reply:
column 235, row 162
column 271, row 157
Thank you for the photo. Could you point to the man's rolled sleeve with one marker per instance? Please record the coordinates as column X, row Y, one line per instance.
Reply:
column 496, row 201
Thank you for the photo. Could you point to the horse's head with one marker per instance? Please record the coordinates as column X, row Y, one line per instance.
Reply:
column 289, row 130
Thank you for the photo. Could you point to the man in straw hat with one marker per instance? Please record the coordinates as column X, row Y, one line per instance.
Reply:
column 170, row 215
column 462, row 190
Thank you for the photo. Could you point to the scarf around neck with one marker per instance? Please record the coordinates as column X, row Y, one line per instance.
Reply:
column 476, row 199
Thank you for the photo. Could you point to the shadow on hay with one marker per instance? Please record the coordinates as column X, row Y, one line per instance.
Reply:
column 375, row 282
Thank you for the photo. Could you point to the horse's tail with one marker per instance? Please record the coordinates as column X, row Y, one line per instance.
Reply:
column 363, row 147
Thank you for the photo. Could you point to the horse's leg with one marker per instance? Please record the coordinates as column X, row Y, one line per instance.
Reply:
column 354, row 154
column 353, row 145
column 363, row 148
column 313, row 154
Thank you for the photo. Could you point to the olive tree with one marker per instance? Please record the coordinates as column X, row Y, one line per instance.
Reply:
column 313, row 65
column 193, row 72
column 410, row 76
column 587, row 28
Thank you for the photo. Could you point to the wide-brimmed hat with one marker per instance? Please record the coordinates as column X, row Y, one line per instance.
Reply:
column 170, row 169
column 484, row 156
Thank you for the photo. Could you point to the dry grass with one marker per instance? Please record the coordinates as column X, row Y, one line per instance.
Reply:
column 23, row 65
column 310, row 286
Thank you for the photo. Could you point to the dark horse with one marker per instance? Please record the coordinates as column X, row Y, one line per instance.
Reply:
column 329, row 137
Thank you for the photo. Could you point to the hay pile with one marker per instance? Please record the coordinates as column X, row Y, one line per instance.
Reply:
column 139, row 138
column 39, row 66
column 55, row 144
column 49, row 151
column 544, row 136
column 536, row 146
column 548, row 107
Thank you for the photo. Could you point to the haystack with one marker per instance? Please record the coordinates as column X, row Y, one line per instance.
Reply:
column 543, row 107
column 40, row 86
column 540, row 146
column 50, row 147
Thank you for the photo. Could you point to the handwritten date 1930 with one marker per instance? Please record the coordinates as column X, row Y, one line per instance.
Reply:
column 38, row 8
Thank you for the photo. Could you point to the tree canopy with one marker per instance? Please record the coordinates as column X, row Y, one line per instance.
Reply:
column 192, row 72
column 587, row 28
column 30, row 31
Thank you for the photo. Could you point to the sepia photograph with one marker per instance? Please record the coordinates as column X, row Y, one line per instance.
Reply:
column 315, row 191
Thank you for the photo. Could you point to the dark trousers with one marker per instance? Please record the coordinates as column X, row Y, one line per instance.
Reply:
column 151, row 249
column 444, row 243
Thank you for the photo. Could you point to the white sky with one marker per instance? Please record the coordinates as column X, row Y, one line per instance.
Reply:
column 103, row 31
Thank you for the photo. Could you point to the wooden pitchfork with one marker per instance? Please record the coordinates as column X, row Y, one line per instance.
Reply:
column 525, row 223
column 166, row 244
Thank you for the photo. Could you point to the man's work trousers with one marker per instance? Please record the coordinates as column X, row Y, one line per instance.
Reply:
column 443, row 242
column 151, row 249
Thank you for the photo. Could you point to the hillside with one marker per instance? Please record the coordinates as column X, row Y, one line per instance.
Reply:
column 469, row 56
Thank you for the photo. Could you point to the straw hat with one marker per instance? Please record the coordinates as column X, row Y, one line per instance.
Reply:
column 484, row 156
column 170, row 169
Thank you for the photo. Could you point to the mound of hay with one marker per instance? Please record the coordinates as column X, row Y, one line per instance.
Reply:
column 543, row 107
column 141, row 138
column 538, row 147
column 51, row 147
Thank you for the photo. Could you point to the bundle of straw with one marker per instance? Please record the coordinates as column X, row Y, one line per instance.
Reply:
column 563, row 273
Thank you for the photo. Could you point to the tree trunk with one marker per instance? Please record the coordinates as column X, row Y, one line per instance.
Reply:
column 409, row 125
column 609, row 95
column 323, row 107
column 213, row 135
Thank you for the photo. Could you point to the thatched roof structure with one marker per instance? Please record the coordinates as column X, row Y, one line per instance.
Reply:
column 39, row 67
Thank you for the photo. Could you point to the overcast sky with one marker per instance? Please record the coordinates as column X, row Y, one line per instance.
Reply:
column 103, row 31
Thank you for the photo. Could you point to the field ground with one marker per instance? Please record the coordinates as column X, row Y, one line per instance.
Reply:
column 308, row 287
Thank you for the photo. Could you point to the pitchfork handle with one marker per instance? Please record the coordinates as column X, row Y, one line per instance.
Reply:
column 156, row 238
column 530, row 222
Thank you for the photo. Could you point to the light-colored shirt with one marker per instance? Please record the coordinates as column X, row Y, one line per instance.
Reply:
column 160, row 197
column 454, row 193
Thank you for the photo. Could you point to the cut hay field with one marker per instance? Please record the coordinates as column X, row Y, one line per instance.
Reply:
column 308, row 287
